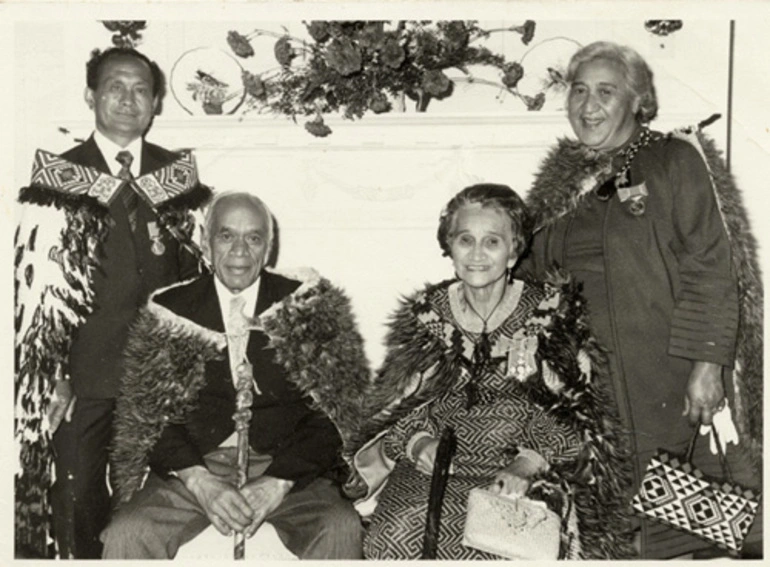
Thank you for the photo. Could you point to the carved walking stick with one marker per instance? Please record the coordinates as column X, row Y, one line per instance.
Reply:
column 242, row 418
column 245, row 385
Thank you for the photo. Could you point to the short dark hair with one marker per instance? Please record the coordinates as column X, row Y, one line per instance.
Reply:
column 500, row 197
column 99, row 58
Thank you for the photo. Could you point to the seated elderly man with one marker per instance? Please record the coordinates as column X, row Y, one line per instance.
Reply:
column 242, row 355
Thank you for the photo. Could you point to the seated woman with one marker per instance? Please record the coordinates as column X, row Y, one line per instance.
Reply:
column 511, row 367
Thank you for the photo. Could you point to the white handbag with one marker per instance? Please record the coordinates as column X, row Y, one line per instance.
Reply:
column 515, row 528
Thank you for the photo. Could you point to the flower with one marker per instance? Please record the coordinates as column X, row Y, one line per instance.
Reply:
column 536, row 102
column 283, row 51
column 372, row 35
column 379, row 103
column 392, row 53
column 357, row 67
column 435, row 82
column 457, row 34
column 512, row 74
column 528, row 32
column 211, row 106
column 343, row 56
column 253, row 85
column 318, row 30
column 662, row 27
column 128, row 32
column 211, row 96
column 209, row 92
column 318, row 128
column 240, row 44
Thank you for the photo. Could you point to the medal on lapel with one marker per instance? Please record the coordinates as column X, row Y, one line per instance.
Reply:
column 634, row 197
column 521, row 357
column 157, row 246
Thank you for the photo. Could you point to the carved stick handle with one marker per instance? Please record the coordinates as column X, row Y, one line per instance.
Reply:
column 242, row 417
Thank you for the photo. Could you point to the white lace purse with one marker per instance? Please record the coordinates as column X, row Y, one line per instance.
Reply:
column 515, row 528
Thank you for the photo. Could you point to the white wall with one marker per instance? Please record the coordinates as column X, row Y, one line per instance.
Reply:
column 362, row 204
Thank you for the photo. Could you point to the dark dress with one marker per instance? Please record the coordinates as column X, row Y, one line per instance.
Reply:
column 661, row 293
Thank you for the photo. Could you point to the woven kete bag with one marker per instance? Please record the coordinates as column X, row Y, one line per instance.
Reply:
column 515, row 528
column 676, row 493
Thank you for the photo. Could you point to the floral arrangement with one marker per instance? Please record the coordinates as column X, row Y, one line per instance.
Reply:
column 356, row 67
column 127, row 33
column 663, row 27
column 210, row 92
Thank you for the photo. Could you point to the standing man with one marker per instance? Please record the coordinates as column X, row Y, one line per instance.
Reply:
column 182, row 393
column 102, row 226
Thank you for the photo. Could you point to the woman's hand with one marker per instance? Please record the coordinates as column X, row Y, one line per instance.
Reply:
column 514, row 480
column 705, row 393
column 507, row 483
column 424, row 454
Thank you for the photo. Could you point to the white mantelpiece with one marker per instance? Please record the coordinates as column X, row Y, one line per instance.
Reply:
column 362, row 204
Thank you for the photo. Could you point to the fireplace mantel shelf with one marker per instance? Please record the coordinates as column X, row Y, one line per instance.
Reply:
column 522, row 130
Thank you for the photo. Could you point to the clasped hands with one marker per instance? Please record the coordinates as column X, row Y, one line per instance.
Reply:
column 513, row 480
column 230, row 509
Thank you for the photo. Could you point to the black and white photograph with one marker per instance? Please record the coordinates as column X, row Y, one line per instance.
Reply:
column 315, row 281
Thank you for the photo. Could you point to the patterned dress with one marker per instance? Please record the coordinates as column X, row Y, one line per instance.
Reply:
column 488, row 433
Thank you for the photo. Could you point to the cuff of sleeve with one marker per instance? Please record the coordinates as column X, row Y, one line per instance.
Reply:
column 164, row 470
column 705, row 322
column 413, row 441
column 294, row 471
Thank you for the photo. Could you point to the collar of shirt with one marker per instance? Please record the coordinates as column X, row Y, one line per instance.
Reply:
column 225, row 295
column 110, row 149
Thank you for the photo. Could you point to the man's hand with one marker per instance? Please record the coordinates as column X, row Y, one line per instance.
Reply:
column 225, row 507
column 264, row 494
column 705, row 393
column 62, row 404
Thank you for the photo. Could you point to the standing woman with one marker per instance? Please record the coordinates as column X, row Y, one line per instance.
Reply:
column 653, row 227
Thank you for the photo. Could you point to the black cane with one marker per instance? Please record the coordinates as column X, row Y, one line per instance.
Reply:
column 444, row 453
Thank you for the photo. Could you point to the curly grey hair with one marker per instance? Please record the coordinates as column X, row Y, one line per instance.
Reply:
column 636, row 73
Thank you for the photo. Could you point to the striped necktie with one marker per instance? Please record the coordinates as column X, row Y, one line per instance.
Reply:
column 129, row 196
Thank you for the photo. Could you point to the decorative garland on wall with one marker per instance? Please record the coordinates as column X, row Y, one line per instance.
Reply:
column 357, row 67
column 361, row 66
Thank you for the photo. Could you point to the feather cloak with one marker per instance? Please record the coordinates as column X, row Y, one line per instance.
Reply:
column 569, row 172
column 313, row 332
column 420, row 366
column 62, row 222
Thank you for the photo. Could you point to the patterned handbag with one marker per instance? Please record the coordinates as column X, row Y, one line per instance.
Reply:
column 676, row 493
column 515, row 528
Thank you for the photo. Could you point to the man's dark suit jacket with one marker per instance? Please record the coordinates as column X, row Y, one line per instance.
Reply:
column 303, row 443
column 129, row 272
